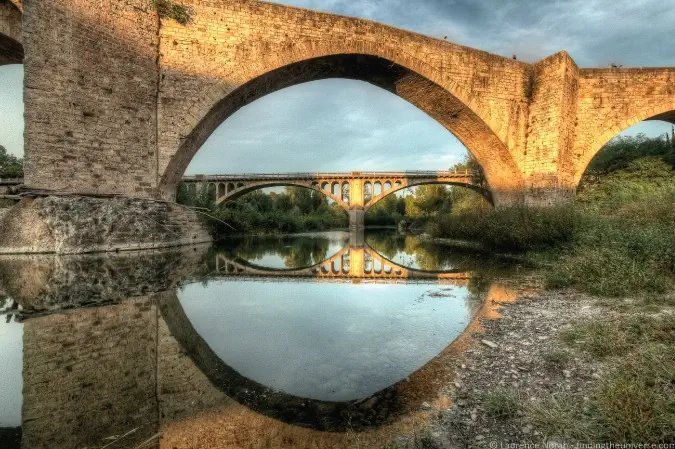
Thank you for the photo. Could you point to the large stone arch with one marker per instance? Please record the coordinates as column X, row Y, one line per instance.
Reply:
column 376, row 199
column 665, row 112
column 11, row 38
column 453, row 108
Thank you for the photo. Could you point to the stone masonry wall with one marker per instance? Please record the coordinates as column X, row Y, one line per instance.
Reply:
column 552, row 91
column 90, row 95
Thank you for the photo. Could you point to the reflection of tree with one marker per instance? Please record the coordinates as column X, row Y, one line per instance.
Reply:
column 429, row 256
column 296, row 252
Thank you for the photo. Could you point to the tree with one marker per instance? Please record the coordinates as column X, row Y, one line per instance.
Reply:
column 10, row 165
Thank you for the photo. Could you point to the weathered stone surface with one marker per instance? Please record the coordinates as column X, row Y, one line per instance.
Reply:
column 67, row 225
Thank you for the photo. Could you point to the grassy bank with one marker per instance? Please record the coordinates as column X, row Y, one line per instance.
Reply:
column 618, row 238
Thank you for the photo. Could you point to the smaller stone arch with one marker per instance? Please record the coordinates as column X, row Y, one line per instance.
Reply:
column 386, row 186
column 377, row 188
column 230, row 187
column 240, row 185
column 221, row 189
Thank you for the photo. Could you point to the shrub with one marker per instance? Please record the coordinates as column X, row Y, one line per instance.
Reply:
column 168, row 9
column 510, row 229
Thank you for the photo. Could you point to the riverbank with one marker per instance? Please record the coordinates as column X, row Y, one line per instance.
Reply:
column 563, row 367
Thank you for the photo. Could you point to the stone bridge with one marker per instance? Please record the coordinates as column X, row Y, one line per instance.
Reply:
column 356, row 192
column 351, row 262
column 118, row 100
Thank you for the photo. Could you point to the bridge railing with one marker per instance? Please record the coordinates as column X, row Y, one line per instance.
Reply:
column 322, row 175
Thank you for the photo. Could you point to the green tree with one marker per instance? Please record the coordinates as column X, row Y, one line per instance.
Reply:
column 10, row 165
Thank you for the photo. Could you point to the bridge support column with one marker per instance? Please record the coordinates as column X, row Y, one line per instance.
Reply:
column 356, row 219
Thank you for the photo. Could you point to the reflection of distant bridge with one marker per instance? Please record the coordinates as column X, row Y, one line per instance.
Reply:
column 356, row 192
column 348, row 263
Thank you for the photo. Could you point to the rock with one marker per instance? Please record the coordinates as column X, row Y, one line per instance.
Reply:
column 490, row 344
column 479, row 437
column 426, row 405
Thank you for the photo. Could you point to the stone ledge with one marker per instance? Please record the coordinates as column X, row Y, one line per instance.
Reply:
column 77, row 224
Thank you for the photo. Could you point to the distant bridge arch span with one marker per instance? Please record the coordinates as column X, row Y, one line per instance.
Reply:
column 348, row 189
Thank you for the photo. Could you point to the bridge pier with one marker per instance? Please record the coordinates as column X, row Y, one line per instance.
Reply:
column 356, row 219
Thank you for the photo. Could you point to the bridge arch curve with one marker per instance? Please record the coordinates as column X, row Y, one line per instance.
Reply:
column 396, row 188
column 11, row 39
column 241, row 189
column 665, row 112
column 400, row 74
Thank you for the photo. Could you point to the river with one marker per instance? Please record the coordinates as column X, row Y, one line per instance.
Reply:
column 300, row 341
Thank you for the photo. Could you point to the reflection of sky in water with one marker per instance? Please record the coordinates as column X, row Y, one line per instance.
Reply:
column 325, row 341
column 273, row 259
column 408, row 260
column 11, row 364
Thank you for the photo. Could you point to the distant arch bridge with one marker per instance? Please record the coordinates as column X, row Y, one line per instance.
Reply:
column 355, row 191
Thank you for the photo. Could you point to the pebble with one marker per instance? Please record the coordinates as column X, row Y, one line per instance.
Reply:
column 479, row 437
column 426, row 405
column 489, row 344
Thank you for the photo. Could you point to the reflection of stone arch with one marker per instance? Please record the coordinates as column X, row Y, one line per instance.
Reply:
column 402, row 397
column 321, row 415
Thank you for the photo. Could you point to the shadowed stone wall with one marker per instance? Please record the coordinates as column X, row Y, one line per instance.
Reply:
column 11, row 48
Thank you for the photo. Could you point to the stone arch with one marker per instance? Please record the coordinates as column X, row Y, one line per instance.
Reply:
column 11, row 36
column 486, row 193
column 399, row 74
column 664, row 112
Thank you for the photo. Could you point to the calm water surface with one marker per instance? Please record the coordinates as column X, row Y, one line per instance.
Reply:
column 311, row 332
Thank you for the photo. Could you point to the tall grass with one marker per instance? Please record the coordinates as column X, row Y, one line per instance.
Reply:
column 512, row 229
column 619, row 237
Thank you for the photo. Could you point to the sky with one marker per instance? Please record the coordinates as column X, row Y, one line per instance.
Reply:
column 345, row 125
